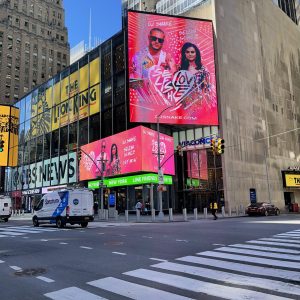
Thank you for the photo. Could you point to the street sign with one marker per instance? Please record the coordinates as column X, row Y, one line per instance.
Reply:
column 160, row 177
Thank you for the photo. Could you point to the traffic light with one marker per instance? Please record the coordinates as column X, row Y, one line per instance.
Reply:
column 79, row 155
column 213, row 145
column 179, row 149
column 1, row 145
column 220, row 146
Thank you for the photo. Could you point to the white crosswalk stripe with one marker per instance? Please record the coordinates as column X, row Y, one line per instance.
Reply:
column 23, row 230
column 247, row 271
column 259, row 253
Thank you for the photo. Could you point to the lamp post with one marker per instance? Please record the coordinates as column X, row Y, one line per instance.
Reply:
column 159, row 172
column 101, row 185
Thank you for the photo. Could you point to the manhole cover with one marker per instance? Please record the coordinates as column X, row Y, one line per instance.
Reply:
column 31, row 272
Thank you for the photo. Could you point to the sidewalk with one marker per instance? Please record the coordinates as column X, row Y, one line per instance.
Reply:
column 132, row 218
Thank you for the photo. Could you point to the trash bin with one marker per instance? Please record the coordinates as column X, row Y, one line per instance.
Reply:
column 295, row 207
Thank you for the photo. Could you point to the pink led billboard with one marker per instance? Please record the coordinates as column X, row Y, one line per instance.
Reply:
column 197, row 164
column 134, row 150
column 171, row 64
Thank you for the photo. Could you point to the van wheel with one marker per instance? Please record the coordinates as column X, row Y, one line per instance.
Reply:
column 59, row 223
column 277, row 212
column 84, row 224
column 266, row 213
column 5, row 219
column 35, row 222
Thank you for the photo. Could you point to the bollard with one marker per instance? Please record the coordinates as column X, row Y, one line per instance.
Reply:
column 205, row 212
column 242, row 209
column 195, row 213
column 23, row 212
column 184, row 214
column 237, row 210
column 138, row 215
column 171, row 214
column 223, row 211
column 116, row 215
column 126, row 216
column 106, row 214
column 229, row 212
column 153, row 215
column 19, row 212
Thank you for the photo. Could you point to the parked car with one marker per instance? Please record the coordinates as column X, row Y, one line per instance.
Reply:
column 263, row 209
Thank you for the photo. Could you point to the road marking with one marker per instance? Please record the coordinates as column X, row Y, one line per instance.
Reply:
column 257, row 260
column 6, row 233
column 147, row 237
column 287, row 236
column 119, row 253
column 84, row 247
column 25, row 237
column 43, row 240
column 182, row 241
column 283, row 244
column 1, row 235
column 35, row 228
column 280, row 240
column 16, row 268
column 100, row 232
column 2, row 261
column 45, row 279
column 244, row 268
column 259, row 253
column 232, row 278
column 63, row 243
column 73, row 293
column 133, row 290
column 219, row 244
column 21, row 230
column 207, row 288
column 158, row 259
column 122, row 235
column 279, row 250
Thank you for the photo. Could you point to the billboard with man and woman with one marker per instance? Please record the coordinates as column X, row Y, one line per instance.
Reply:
column 171, row 70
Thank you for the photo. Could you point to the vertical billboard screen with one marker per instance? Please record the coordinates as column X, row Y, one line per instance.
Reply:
column 9, row 124
column 171, row 66
column 197, row 164
column 134, row 150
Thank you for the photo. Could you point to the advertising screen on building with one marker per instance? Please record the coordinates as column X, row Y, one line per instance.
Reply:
column 197, row 164
column 171, row 66
column 134, row 150
column 9, row 124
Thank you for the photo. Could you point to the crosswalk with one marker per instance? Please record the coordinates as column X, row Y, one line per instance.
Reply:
column 12, row 231
column 262, row 269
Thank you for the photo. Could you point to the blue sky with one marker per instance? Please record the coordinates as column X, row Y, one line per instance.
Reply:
column 106, row 19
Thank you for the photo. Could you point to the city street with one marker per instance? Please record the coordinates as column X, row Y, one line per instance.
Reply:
column 232, row 258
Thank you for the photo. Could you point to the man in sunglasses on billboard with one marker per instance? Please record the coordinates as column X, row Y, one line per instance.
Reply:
column 151, row 56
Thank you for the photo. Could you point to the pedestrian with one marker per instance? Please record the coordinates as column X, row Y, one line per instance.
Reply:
column 96, row 208
column 214, row 208
column 138, row 205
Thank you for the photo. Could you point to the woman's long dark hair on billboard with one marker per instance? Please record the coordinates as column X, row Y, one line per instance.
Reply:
column 185, row 62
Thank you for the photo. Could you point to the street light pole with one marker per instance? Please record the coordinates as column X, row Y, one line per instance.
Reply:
column 159, row 172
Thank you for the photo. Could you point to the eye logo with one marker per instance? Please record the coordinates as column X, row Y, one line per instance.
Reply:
column 75, row 201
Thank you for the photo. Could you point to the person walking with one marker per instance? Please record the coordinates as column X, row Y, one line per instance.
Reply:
column 214, row 208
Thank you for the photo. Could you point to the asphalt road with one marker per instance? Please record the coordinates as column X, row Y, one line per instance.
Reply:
column 179, row 260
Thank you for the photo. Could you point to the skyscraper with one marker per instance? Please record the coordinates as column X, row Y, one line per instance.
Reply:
column 33, row 45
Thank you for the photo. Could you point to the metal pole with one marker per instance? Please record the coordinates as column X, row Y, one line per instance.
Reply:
column 161, row 213
column 216, row 184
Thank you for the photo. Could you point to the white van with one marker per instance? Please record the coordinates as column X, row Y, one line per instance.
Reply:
column 74, row 206
column 5, row 208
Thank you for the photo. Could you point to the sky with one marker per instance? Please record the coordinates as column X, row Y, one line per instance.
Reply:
column 106, row 19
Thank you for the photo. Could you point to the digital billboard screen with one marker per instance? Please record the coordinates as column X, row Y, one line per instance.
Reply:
column 134, row 150
column 171, row 66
